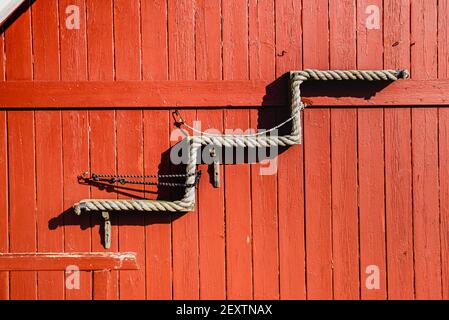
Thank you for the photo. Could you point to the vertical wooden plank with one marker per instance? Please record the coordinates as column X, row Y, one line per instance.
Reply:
column 291, row 162
column 239, row 232
column 158, row 230
column 443, row 39
column 73, row 40
column 211, row 220
column 49, row 197
column 443, row 128
column 426, row 214
column 211, row 210
column 239, row 272
column 75, row 141
column 185, row 229
column 19, row 65
column 371, row 159
column 48, row 146
column 235, row 40
column 22, row 199
column 156, row 146
column 154, row 39
column 344, row 158
column 21, row 152
column 398, row 171
column 102, row 134
column 4, row 218
column 100, row 39
column 131, row 231
column 317, row 159
column 264, row 187
column 103, row 283
column 4, row 208
column 181, row 39
column 261, row 39
column 239, row 275
column 2, row 53
column 102, row 144
column 130, row 143
column 208, row 39
column 185, row 246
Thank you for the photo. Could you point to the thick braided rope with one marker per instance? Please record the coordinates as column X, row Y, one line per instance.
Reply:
column 187, row 203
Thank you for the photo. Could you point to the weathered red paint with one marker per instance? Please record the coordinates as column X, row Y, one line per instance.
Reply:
column 368, row 186
column 59, row 261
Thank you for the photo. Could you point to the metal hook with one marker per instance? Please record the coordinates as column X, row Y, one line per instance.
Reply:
column 107, row 229
column 177, row 117
column 216, row 165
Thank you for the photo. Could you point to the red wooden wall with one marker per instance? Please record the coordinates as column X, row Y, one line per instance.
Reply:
column 367, row 186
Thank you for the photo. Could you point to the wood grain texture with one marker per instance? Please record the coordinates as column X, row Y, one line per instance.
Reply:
column 75, row 141
column 104, row 93
column 2, row 59
column 239, row 237
column 131, row 233
column 209, row 94
column 211, row 216
column 263, row 183
column 185, row 241
column 158, row 228
column 102, row 146
column 208, row 39
column 49, row 184
column 73, row 43
column 154, row 39
column 344, row 159
column 239, row 270
column 22, row 205
column 426, row 213
column 130, row 143
column 317, row 161
column 4, row 216
column 211, row 223
column 100, row 49
column 22, row 192
column 4, row 203
column 102, row 140
column 235, row 40
column 156, row 145
column 443, row 137
column 443, row 40
column 59, row 261
column 371, row 176
column 290, row 184
column 398, row 170
column 181, row 41
column 48, row 129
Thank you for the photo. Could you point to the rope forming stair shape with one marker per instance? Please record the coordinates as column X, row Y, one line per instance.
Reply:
column 187, row 203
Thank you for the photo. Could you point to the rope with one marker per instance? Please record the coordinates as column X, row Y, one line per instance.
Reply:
column 187, row 203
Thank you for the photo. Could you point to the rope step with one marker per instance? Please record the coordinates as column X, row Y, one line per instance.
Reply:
column 187, row 203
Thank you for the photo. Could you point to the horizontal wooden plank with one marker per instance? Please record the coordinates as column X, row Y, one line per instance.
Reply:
column 60, row 261
column 167, row 94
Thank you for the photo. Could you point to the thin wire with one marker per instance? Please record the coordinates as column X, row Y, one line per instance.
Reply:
column 245, row 135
